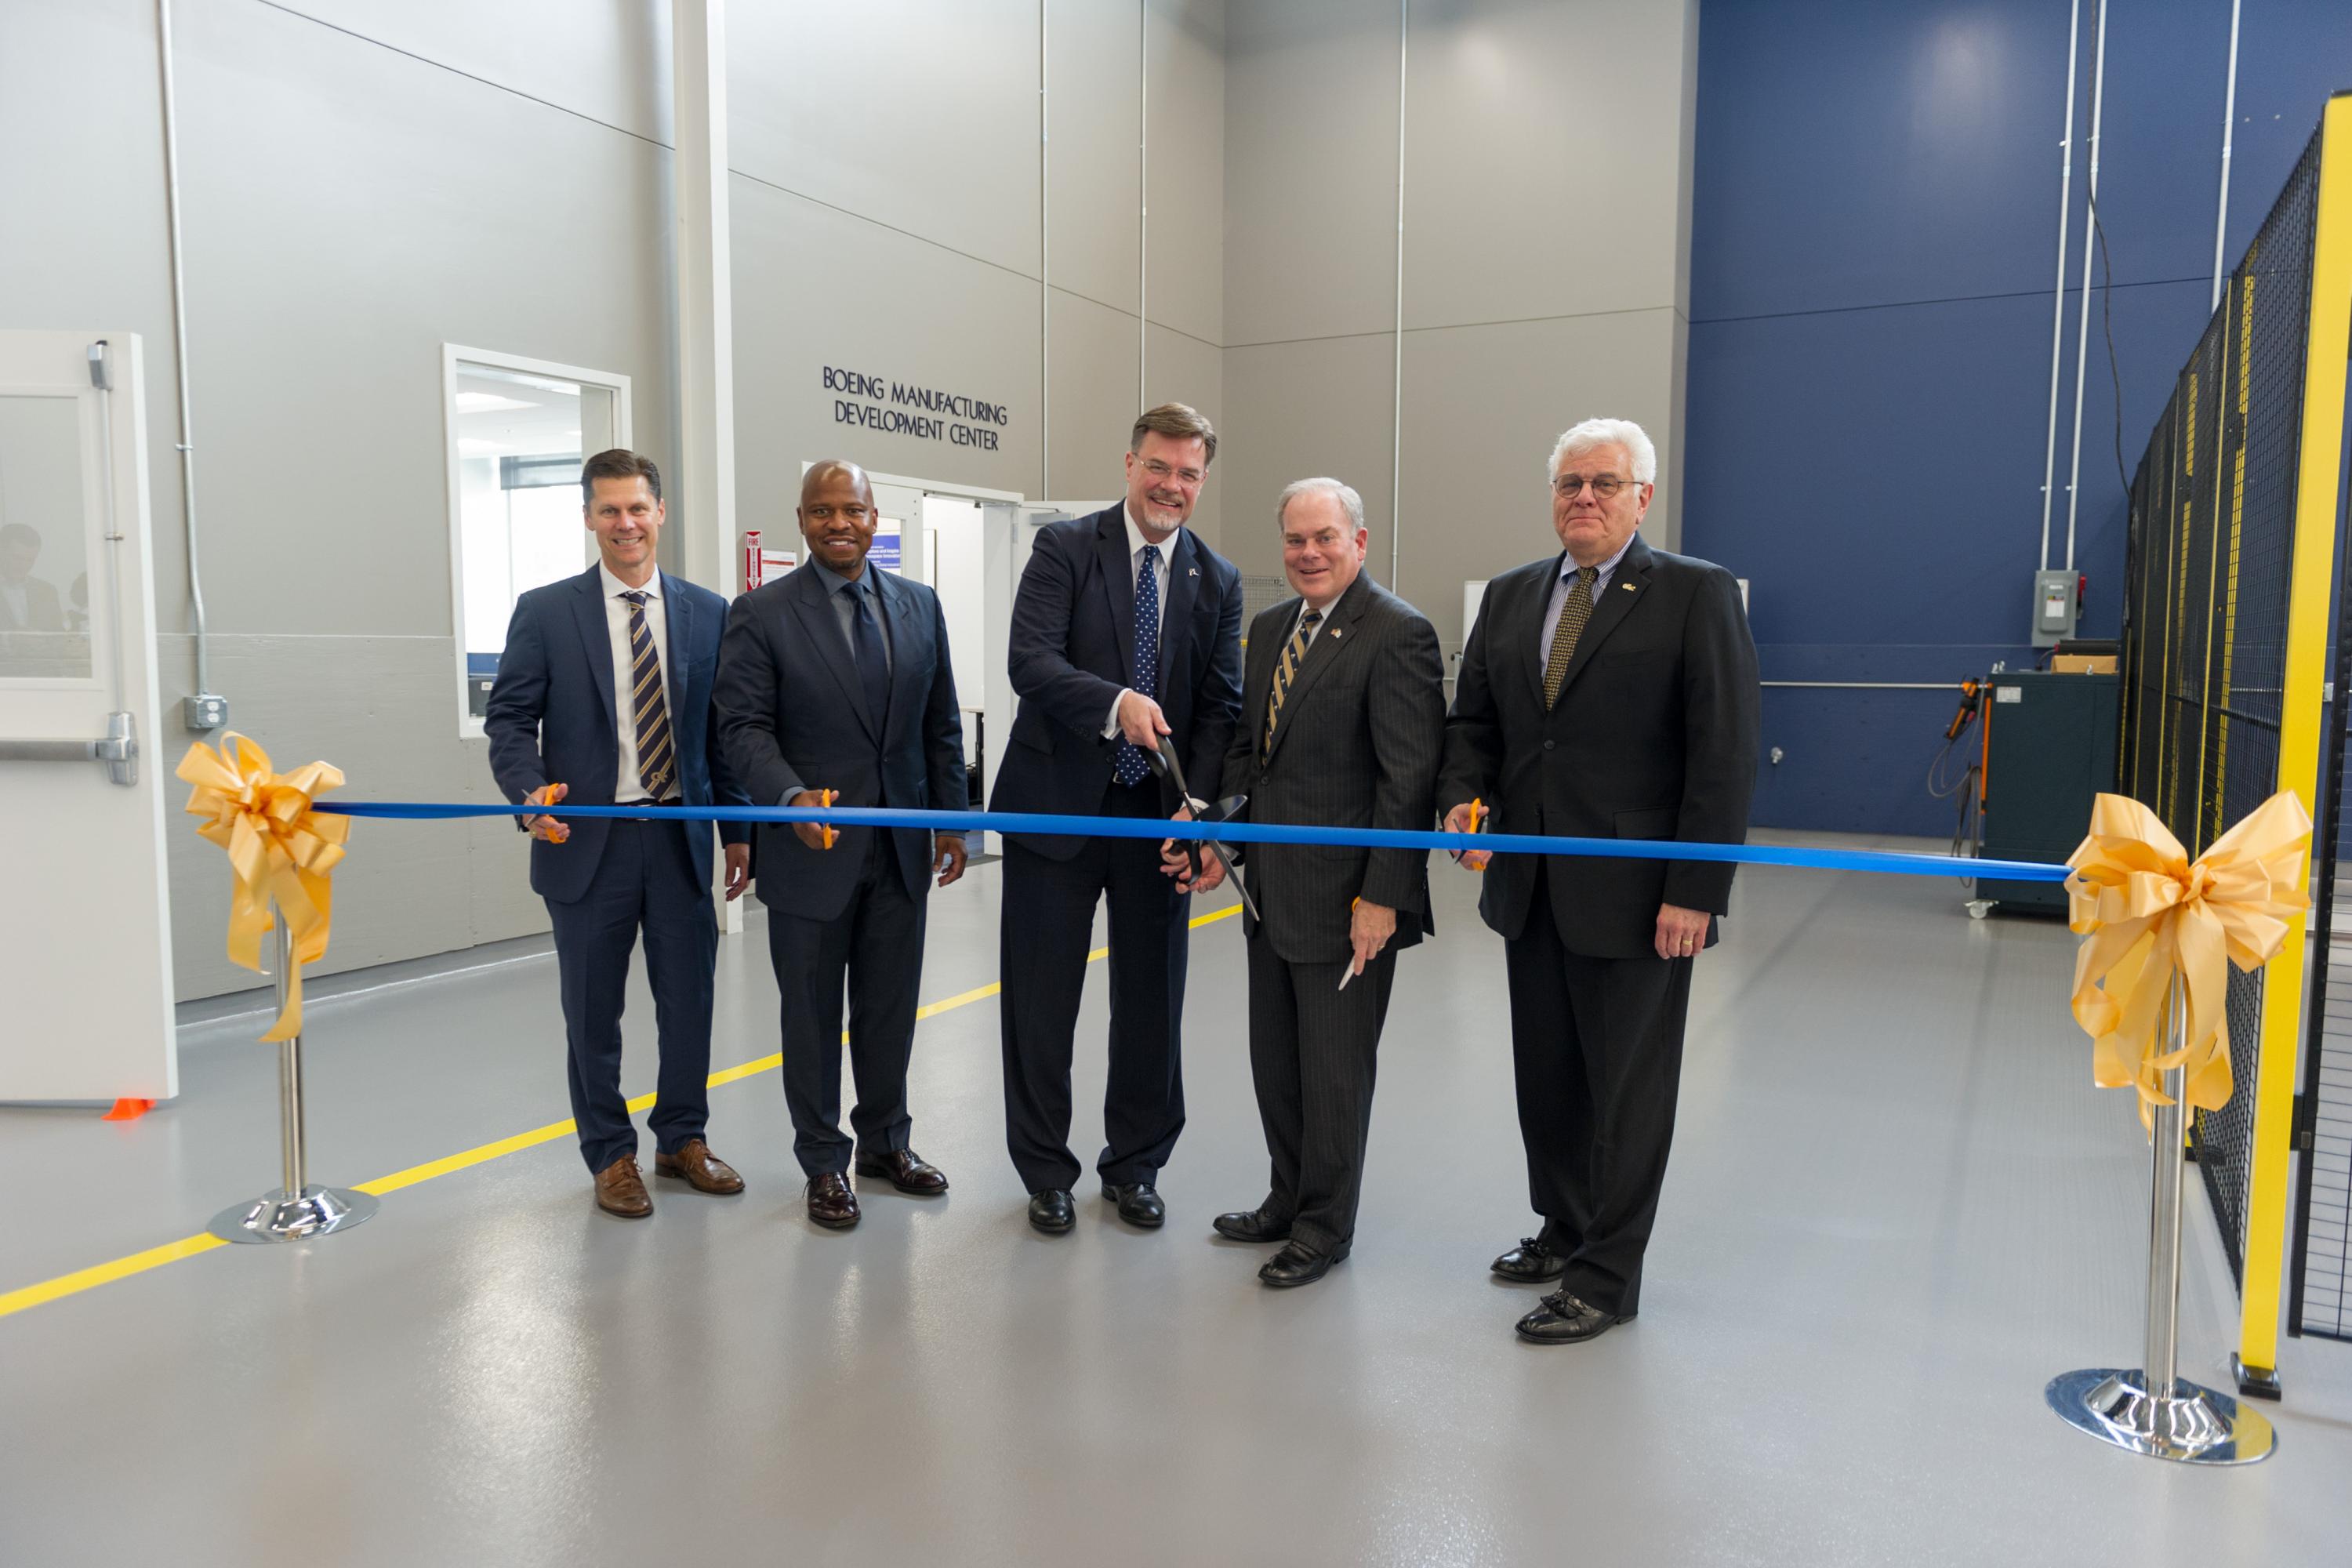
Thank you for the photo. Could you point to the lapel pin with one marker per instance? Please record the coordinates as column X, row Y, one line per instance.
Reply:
column 1337, row 633
column 1195, row 572
column 1627, row 586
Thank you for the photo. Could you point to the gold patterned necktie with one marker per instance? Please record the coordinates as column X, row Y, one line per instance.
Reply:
column 649, row 710
column 1574, row 612
column 1285, row 671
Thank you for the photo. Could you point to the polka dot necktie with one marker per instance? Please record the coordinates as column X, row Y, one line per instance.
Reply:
column 1129, row 764
column 1574, row 612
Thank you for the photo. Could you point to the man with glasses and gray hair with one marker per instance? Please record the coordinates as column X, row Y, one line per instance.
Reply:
column 1607, row 691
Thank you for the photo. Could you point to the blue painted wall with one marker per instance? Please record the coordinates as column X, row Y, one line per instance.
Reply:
column 1874, row 243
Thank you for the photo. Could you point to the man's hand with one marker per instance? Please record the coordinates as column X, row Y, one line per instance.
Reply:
column 547, row 830
column 949, row 854
column 1370, row 929
column 1458, row 821
column 739, row 870
column 1140, row 721
column 1681, row 932
column 815, row 835
column 1175, row 862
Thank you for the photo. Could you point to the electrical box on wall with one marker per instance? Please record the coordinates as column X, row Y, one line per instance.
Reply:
column 2057, row 599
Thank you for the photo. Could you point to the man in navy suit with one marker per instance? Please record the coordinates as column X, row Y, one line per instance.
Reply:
column 603, row 697
column 834, row 681
column 1126, row 628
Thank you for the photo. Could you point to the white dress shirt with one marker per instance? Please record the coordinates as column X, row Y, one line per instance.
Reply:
column 1134, row 544
column 628, row 789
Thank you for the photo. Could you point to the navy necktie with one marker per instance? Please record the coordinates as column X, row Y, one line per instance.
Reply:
column 1129, row 764
column 866, row 648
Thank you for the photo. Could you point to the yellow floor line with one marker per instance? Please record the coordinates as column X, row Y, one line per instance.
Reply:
column 88, row 1279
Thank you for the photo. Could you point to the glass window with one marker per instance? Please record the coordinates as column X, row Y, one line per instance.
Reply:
column 45, row 575
column 519, row 430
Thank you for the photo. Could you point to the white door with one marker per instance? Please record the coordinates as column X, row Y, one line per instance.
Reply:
column 85, row 927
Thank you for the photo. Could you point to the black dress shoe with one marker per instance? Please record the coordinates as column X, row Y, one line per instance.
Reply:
column 1530, row 1262
column 1566, row 1318
column 830, row 1201
column 905, row 1170
column 1139, row 1203
column 1299, row 1264
column 1251, row 1225
column 1051, row 1211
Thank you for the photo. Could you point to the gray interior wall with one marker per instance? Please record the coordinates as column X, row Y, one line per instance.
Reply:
column 915, row 234
column 1546, row 168
column 361, row 184
column 366, row 182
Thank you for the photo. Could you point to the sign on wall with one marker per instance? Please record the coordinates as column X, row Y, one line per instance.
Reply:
column 868, row 401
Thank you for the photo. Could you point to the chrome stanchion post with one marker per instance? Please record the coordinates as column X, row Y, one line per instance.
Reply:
column 295, row 1211
column 2151, row 1409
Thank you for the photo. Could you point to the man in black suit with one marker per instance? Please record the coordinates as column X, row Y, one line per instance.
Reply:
column 623, row 629
column 1346, row 702
column 1126, row 628
column 834, row 681
column 1606, row 692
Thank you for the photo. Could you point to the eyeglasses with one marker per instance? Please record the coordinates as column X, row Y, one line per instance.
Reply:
column 1164, row 473
column 1604, row 486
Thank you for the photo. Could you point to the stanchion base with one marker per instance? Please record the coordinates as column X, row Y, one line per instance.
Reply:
column 2194, row 1427
column 2254, row 1382
column 273, row 1216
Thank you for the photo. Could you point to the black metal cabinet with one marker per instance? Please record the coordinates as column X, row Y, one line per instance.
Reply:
column 2050, row 749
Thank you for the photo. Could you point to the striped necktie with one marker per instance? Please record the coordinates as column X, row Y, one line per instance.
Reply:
column 1574, row 612
column 1294, row 652
column 649, row 710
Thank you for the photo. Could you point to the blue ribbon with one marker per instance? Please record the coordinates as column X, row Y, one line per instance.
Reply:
column 1883, row 862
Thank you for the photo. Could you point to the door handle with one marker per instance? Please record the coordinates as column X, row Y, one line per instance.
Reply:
column 117, row 749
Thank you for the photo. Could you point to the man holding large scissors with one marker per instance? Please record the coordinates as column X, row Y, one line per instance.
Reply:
column 1125, row 632
column 1343, row 726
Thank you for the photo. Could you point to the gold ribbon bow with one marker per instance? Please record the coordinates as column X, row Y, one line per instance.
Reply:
column 280, row 851
column 2150, row 911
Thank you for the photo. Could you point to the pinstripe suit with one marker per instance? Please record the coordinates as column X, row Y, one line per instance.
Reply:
column 1359, row 744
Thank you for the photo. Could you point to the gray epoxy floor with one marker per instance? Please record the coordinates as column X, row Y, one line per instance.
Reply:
column 1897, row 1208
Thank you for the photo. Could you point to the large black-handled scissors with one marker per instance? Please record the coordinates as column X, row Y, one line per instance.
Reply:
column 1164, row 760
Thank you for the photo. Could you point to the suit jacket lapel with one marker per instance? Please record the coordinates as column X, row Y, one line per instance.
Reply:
column 813, row 604
column 1176, row 615
column 906, row 670
column 1118, row 587
column 1626, row 586
column 678, row 610
column 596, row 638
column 1329, row 643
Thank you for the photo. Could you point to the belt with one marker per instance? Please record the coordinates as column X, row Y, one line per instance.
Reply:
column 629, row 803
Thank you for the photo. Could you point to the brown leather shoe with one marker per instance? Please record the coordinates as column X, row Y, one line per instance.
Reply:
column 905, row 1170
column 695, row 1165
column 831, row 1202
column 621, row 1191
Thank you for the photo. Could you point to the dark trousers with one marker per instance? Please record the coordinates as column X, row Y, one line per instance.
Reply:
column 1313, row 1048
column 876, row 944
column 1047, row 929
column 646, row 882
column 1597, row 1047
